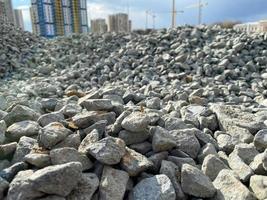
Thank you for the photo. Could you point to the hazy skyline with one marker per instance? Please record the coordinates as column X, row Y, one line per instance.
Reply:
column 217, row 10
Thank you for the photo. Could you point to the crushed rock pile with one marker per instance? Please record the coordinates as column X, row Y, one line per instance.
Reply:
column 172, row 114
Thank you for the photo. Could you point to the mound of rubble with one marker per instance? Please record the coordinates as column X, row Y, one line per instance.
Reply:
column 16, row 47
column 172, row 114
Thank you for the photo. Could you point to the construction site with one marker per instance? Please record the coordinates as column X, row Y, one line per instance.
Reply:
column 169, row 114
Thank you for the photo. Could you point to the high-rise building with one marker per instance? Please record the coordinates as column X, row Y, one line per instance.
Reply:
column 18, row 18
column 52, row 18
column 6, row 10
column 99, row 26
column 119, row 23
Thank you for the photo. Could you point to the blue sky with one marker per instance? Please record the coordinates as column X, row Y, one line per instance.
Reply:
column 216, row 10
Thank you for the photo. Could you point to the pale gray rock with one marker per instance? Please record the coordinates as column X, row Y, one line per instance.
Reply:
column 195, row 183
column 172, row 171
column 108, row 151
column 162, row 140
column 113, row 183
column 23, row 128
column 39, row 160
column 134, row 162
column 48, row 118
column 67, row 154
column 258, row 186
column 154, row 188
column 85, row 188
column 97, row 104
column 260, row 140
column 230, row 188
column 52, row 134
column 187, row 141
column 135, row 122
column 20, row 113
column 58, row 179
column 212, row 165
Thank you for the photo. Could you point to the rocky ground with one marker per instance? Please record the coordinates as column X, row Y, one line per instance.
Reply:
column 171, row 114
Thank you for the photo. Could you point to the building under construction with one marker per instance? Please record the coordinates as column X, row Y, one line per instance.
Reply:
column 6, row 11
column 99, row 26
column 119, row 23
column 59, row 17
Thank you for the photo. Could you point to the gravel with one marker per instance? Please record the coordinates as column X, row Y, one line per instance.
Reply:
column 170, row 114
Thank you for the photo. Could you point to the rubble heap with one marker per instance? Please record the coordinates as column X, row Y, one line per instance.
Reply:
column 16, row 46
column 173, row 114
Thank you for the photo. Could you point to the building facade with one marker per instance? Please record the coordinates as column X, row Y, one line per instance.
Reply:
column 119, row 23
column 18, row 18
column 52, row 18
column 252, row 27
column 6, row 11
column 99, row 26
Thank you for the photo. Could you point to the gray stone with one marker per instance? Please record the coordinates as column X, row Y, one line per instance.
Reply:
column 23, row 128
column 3, row 187
column 113, row 183
column 108, row 151
column 85, row 188
column 39, row 160
column 187, row 141
column 142, row 148
column 257, row 164
column 67, row 154
column 162, row 140
column 97, row 104
column 212, row 165
column 134, row 163
column 46, row 119
column 258, row 186
column 135, row 122
column 58, row 179
column 230, row 188
column 246, row 152
column 195, row 183
column 116, row 127
column 91, row 138
column 7, row 150
column 172, row 171
column 10, row 172
column 52, row 134
column 260, row 140
column 154, row 188
column 132, row 137
column 206, row 150
column 20, row 113
column 181, row 161
column 240, row 167
column 24, row 147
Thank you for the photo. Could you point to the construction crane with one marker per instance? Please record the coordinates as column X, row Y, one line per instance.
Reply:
column 174, row 13
column 200, row 6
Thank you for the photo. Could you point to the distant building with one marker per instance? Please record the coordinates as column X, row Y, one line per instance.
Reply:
column 18, row 18
column 6, row 11
column 99, row 26
column 119, row 23
column 252, row 27
column 52, row 18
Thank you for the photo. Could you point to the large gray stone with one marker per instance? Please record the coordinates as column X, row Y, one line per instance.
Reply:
column 23, row 128
column 52, row 134
column 158, row 187
column 187, row 141
column 58, row 179
column 108, row 151
column 135, row 163
column 68, row 154
column 195, row 183
column 258, row 186
column 20, row 113
column 135, row 122
column 162, row 140
column 85, row 188
column 230, row 188
column 113, row 183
